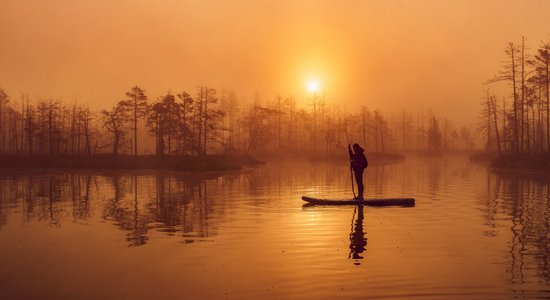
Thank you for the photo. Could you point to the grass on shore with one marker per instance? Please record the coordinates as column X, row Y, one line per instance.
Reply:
column 538, row 161
column 128, row 162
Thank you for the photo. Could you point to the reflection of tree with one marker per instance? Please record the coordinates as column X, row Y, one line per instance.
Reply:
column 126, row 213
column 526, row 203
column 182, row 205
column 38, row 197
column 492, row 209
column 358, row 242
column 379, row 180
column 178, row 205
column 434, row 175
column 3, row 210
column 48, row 197
column 80, row 199
column 29, row 196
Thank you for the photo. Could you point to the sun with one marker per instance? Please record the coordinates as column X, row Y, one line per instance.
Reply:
column 313, row 85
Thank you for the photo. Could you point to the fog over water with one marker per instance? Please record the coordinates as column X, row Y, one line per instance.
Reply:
column 473, row 234
column 133, row 134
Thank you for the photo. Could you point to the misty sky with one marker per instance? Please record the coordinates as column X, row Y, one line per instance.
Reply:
column 383, row 54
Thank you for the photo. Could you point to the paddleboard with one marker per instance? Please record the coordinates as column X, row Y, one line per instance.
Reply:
column 369, row 201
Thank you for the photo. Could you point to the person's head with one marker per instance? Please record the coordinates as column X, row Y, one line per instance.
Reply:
column 357, row 148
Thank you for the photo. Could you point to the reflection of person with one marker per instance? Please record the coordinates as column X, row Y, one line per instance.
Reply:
column 358, row 242
column 358, row 163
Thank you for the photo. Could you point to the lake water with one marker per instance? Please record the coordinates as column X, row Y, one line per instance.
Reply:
column 473, row 234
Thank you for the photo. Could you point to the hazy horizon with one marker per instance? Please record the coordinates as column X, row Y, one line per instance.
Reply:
column 180, row 149
column 390, row 55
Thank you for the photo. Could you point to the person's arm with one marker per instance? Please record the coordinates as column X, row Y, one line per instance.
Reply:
column 350, row 152
column 365, row 161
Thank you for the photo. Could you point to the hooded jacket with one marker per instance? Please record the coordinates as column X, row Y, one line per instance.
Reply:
column 358, row 160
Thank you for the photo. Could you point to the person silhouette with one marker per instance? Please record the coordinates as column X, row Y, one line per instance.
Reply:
column 359, row 163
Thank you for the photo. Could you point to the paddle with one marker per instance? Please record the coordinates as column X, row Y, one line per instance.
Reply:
column 351, row 172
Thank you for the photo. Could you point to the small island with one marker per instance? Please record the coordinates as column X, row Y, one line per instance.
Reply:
column 515, row 114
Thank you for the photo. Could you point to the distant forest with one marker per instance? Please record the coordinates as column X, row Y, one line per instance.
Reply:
column 522, row 126
column 208, row 122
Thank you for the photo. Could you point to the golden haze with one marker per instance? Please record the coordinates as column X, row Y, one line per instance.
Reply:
column 390, row 55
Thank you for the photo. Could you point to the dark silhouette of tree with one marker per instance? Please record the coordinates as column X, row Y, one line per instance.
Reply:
column 186, row 111
column 380, row 131
column 85, row 119
column 525, row 128
column 493, row 106
column 30, row 128
column 509, row 73
column 4, row 100
column 164, row 122
column 201, row 124
column 114, row 121
column 542, row 67
column 256, row 128
column 231, row 134
column 206, row 118
column 489, row 122
column 434, row 134
column 137, row 104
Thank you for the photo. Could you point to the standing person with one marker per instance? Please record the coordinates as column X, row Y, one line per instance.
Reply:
column 358, row 164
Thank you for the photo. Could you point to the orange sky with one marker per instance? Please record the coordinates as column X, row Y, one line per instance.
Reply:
column 384, row 54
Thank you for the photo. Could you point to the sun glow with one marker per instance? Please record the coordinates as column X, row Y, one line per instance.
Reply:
column 313, row 85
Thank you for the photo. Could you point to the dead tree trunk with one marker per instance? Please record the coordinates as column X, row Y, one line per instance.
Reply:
column 494, row 109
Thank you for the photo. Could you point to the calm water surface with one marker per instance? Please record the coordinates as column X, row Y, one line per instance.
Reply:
column 473, row 234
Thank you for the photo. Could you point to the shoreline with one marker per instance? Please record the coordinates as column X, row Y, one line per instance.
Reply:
column 534, row 162
column 529, row 162
column 130, row 163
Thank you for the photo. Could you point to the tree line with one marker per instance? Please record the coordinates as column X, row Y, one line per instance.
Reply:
column 180, row 124
column 519, row 121
column 208, row 122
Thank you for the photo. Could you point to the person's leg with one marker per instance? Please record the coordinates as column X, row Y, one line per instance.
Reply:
column 359, row 180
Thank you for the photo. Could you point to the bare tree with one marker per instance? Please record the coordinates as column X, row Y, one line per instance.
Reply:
column 137, row 104
column 113, row 122
column 86, row 119
column 509, row 73
column 186, row 109
column 4, row 100
column 542, row 67
column 434, row 134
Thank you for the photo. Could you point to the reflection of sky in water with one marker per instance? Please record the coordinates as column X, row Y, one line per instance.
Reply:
column 472, row 234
